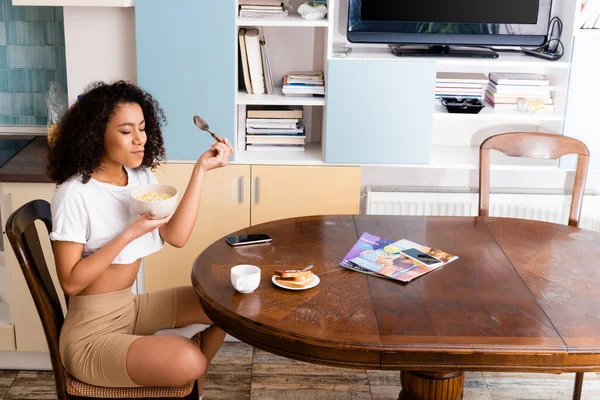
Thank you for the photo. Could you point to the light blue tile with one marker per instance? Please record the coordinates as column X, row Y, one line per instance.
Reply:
column 22, row 103
column 40, row 109
column 61, row 77
column 5, row 104
column 38, row 57
column 39, row 14
column 30, row 33
column 41, row 79
column 41, row 121
column 10, row 31
column 14, row 13
column 61, row 57
column 3, row 5
column 3, row 57
column 59, row 33
column 5, row 120
column 4, row 81
column 23, row 120
column 20, row 80
column 58, row 14
column 2, row 34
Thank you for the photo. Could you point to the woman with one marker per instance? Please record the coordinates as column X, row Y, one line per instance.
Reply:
column 107, row 143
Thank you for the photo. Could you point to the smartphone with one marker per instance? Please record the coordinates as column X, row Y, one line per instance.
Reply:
column 248, row 239
column 421, row 257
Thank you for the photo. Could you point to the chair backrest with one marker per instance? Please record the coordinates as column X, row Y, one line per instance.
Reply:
column 24, row 240
column 534, row 145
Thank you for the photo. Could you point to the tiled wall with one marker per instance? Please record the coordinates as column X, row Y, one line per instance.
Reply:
column 32, row 54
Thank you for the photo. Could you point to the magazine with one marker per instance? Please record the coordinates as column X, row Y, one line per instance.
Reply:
column 380, row 257
column 365, row 243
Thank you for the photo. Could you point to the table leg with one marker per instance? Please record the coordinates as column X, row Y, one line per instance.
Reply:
column 421, row 385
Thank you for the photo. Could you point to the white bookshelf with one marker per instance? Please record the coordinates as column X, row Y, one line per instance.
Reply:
column 291, row 20
column 312, row 155
column 297, row 44
column 278, row 99
column 588, row 32
column 505, row 60
column 490, row 113
column 293, row 44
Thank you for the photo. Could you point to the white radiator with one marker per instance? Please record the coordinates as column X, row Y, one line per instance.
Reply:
column 550, row 205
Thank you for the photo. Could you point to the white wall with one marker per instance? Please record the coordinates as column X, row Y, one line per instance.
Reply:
column 100, row 45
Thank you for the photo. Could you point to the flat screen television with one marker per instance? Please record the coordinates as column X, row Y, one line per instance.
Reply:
column 443, row 23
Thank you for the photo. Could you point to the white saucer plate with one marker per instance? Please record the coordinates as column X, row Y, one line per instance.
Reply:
column 314, row 283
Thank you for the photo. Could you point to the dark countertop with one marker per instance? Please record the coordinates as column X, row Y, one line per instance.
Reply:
column 28, row 165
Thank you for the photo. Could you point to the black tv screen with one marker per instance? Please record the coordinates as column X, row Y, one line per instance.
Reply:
column 445, row 22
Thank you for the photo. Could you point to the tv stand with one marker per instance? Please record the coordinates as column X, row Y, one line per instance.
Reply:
column 441, row 51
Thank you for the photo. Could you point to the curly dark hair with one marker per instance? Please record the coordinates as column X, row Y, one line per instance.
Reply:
column 79, row 142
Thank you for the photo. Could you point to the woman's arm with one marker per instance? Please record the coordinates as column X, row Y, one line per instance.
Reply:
column 178, row 231
column 76, row 273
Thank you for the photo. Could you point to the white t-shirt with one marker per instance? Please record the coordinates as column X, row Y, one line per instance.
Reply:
column 95, row 212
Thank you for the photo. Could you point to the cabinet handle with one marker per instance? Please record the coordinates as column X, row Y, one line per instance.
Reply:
column 257, row 189
column 241, row 189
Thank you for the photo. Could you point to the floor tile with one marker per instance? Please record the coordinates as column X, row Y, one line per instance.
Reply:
column 383, row 378
column 225, row 382
column 385, row 392
column 521, row 386
column 477, row 394
column 234, row 354
column 279, row 378
column 32, row 385
column 7, row 377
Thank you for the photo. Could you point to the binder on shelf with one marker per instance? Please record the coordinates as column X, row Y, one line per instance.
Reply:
column 244, row 60
column 255, row 65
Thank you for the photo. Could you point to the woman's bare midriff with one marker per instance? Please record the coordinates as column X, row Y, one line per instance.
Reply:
column 114, row 278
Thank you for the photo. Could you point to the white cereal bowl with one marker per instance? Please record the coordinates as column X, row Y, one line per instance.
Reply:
column 161, row 208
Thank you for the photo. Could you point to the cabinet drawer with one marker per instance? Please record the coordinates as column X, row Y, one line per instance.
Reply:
column 7, row 338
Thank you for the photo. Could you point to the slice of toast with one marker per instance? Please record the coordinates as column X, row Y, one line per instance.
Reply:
column 292, row 273
column 296, row 284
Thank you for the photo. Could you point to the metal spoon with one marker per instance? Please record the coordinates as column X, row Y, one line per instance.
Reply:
column 201, row 124
column 307, row 268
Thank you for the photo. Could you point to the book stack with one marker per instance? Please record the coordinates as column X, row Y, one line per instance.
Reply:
column 590, row 14
column 306, row 84
column 255, row 66
column 505, row 89
column 262, row 8
column 463, row 85
column 274, row 128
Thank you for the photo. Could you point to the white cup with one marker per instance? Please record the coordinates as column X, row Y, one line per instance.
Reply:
column 245, row 278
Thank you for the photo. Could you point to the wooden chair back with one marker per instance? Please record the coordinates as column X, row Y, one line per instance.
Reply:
column 534, row 145
column 25, row 242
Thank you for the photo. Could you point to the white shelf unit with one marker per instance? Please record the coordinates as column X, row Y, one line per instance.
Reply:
column 490, row 113
column 292, row 20
column 504, row 60
column 588, row 32
column 277, row 99
column 296, row 44
column 293, row 44
column 75, row 3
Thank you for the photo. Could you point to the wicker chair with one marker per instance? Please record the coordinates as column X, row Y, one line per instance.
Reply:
column 24, row 240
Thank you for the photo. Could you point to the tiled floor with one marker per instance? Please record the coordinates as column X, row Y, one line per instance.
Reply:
column 240, row 372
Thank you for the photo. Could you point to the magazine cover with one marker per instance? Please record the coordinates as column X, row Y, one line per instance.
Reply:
column 365, row 243
column 378, row 256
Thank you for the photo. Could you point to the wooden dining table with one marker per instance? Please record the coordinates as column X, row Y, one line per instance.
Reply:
column 523, row 296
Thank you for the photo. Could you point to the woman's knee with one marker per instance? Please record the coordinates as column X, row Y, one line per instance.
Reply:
column 190, row 363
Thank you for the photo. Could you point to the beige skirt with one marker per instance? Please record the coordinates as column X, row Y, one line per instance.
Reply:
column 99, row 329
